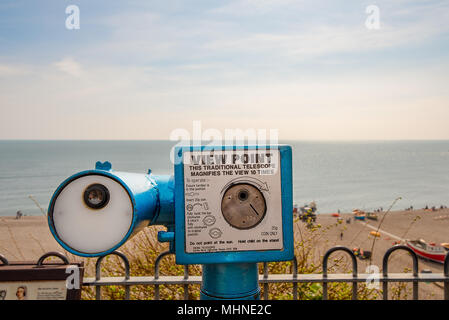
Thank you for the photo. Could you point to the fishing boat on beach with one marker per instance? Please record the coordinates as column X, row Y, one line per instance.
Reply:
column 371, row 216
column 359, row 214
column 375, row 234
column 429, row 251
column 335, row 215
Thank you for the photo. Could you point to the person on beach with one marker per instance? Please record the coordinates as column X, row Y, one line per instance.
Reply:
column 19, row 215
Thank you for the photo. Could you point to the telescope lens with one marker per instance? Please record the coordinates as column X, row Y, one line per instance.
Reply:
column 91, row 214
column 96, row 196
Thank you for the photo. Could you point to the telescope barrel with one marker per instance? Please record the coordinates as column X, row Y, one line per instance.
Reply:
column 94, row 212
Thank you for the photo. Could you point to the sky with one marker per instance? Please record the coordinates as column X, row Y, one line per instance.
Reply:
column 312, row 70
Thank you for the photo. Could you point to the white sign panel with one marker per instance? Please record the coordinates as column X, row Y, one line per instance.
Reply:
column 232, row 200
column 33, row 290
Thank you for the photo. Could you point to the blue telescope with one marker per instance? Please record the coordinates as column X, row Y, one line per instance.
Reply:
column 226, row 208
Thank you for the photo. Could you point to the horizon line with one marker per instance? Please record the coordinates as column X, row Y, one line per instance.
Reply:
column 280, row 140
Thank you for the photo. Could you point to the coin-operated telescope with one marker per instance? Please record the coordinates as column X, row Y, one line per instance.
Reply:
column 226, row 208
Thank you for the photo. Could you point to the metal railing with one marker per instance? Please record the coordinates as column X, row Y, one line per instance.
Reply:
column 265, row 279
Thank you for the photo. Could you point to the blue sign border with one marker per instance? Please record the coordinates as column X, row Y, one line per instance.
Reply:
column 287, row 253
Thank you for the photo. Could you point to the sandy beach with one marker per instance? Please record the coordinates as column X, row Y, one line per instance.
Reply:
column 416, row 224
column 26, row 239
column 29, row 237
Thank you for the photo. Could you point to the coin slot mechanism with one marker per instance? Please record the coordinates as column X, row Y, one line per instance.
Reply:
column 243, row 206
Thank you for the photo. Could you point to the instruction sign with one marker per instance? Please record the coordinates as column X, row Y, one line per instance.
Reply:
column 33, row 290
column 27, row 280
column 233, row 200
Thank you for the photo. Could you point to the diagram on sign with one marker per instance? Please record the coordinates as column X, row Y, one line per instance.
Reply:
column 209, row 220
column 261, row 185
column 215, row 233
column 190, row 207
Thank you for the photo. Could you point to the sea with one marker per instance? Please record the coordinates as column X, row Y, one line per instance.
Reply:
column 336, row 175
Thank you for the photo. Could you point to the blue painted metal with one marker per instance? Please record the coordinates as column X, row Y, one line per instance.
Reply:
column 151, row 196
column 230, row 281
column 165, row 186
column 107, row 166
column 165, row 236
column 242, row 256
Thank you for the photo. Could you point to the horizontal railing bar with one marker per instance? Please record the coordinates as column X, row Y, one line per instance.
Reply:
column 272, row 278
column 134, row 281
column 421, row 277
column 362, row 277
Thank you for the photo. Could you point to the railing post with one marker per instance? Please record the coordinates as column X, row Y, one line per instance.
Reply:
column 98, row 273
column 156, row 273
column 265, row 285
column 354, row 270
column 385, row 270
column 295, row 276
column 446, row 274
column 41, row 260
column 186, row 286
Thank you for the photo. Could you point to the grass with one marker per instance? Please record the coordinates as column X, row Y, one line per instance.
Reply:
column 142, row 251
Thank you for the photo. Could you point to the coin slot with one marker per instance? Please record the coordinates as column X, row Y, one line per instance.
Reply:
column 243, row 206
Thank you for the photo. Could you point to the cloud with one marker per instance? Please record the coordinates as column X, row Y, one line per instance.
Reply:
column 13, row 70
column 300, row 41
column 255, row 7
column 300, row 74
column 287, row 32
column 69, row 66
column 116, row 102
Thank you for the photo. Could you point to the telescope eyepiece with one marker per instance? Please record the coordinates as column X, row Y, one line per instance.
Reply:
column 96, row 196
column 243, row 195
